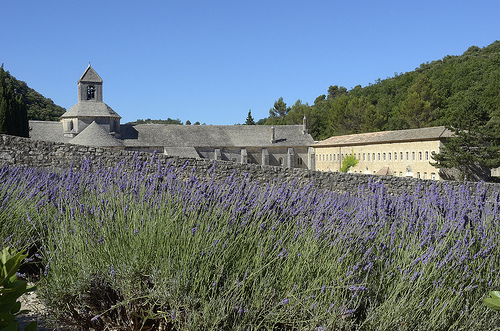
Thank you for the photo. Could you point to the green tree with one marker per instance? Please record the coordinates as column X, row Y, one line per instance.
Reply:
column 421, row 104
column 348, row 162
column 475, row 144
column 250, row 120
column 336, row 91
column 13, row 113
column 188, row 122
column 278, row 113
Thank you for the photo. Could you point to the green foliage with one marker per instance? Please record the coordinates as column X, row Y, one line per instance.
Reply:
column 278, row 113
column 250, row 120
column 13, row 113
column 420, row 98
column 348, row 162
column 11, row 289
column 493, row 301
column 37, row 106
column 476, row 140
column 150, row 121
column 127, row 249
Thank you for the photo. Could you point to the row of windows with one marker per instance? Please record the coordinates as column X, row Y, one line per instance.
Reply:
column 419, row 175
column 402, row 156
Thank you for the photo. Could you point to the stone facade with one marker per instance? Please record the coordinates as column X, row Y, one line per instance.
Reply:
column 404, row 153
column 93, row 123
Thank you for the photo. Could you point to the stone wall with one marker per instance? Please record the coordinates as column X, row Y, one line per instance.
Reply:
column 58, row 156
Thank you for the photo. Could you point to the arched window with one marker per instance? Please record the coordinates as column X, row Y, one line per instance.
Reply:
column 90, row 92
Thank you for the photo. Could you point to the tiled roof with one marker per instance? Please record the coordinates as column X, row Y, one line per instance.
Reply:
column 47, row 131
column 171, row 135
column 431, row 133
column 96, row 136
column 181, row 136
column 90, row 109
column 182, row 152
column 90, row 76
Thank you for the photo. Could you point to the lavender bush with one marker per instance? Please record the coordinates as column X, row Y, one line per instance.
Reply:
column 164, row 248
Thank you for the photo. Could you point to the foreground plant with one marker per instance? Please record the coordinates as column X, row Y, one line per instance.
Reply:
column 10, row 291
column 165, row 249
column 493, row 301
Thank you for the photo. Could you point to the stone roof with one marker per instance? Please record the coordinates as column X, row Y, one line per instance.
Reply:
column 90, row 109
column 96, row 136
column 432, row 133
column 219, row 136
column 182, row 152
column 90, row 76
column 47, row 131
column 385, row 171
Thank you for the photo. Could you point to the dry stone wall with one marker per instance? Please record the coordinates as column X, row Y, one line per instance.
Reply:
column 58, row 156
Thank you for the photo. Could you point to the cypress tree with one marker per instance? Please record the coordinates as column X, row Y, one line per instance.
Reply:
column 23, row 117
column 13, row 109
column 3, row 102
column 12, row 112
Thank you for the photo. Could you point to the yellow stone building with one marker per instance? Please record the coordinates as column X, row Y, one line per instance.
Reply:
column 403, row 153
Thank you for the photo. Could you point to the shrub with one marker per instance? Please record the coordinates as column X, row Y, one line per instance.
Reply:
column 348, row 162
column 131, row 249
column 10, row 291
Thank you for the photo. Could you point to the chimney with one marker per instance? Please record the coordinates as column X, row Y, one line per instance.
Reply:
column 273, row 136
column 304, row 125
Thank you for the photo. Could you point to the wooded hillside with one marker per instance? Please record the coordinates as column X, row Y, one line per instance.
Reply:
column 420, row 98
column 39, row 107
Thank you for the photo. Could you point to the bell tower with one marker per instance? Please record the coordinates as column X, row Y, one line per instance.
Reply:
column 90, row 108
column 90, row 86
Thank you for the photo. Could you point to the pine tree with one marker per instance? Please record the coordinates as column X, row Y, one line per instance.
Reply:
column 250, row 120
column 475, row 142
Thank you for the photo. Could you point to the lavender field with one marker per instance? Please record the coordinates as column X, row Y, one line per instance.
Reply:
column 166, row 250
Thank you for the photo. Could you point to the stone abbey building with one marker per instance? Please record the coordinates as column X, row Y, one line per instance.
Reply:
column 402, row 153
column 91, row 122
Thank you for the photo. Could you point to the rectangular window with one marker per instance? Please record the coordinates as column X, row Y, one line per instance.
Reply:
column 368, row 156
column 401, row 156
column 400, row 174
column 395, row 156
column 420, row 156
column 433, row 176
column 334, row 157
column 331, row 157
column 374, row 157
column 425, row 175
column 413, row 156
column 384, row 156
column 359, row 156
column 378, row 154
column 407, row 156
column 418, row 174
column 426, row 155
column 364, row 155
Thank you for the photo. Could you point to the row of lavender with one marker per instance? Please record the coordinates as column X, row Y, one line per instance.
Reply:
column 175, row 250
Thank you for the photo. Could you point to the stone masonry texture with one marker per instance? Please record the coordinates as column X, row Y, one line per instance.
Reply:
column 20, row 151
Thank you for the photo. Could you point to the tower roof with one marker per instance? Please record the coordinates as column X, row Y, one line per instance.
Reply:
column 90, row 76
column 90, row 109
column 96, row 136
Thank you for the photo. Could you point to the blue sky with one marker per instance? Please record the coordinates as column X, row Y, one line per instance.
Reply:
column 212, row 61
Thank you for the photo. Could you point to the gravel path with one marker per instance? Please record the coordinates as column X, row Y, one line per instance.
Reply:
column 37, row 313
